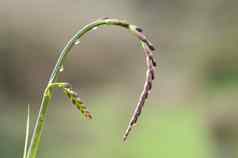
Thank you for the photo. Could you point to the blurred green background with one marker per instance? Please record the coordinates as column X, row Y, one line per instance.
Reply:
column 192, row 110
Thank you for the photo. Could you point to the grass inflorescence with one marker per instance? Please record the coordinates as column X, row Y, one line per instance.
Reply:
column 32, row 150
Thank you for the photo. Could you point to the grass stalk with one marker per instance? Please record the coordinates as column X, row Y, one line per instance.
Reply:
column 53, row 83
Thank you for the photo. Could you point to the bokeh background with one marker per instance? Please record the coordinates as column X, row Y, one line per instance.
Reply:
column 192, row 111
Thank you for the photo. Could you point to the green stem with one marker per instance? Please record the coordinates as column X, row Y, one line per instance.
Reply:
column 41, row 118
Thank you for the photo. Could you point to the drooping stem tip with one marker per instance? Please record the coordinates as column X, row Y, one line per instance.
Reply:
column 150, row 75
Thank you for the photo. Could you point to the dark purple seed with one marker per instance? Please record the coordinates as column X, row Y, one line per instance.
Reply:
column 142, row 38
column 146, row 95
column 152, row 75
column 149, row 85
column 138, row 112
column 139, row 29
column 152, row 48
column 133, row 122
column 154, row 63
column 152, row 60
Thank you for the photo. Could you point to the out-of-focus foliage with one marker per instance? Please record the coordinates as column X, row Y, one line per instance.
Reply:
column 164, row 133
column 198, row 71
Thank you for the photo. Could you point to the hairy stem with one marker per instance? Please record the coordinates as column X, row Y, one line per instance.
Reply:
column 148, row 47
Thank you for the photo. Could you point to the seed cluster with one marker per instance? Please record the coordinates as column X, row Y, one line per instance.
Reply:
column 74, row 97
column 150, row 62
column 150, row 72
column 150, row 76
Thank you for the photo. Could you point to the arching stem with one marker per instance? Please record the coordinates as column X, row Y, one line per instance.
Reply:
column 147, row 46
